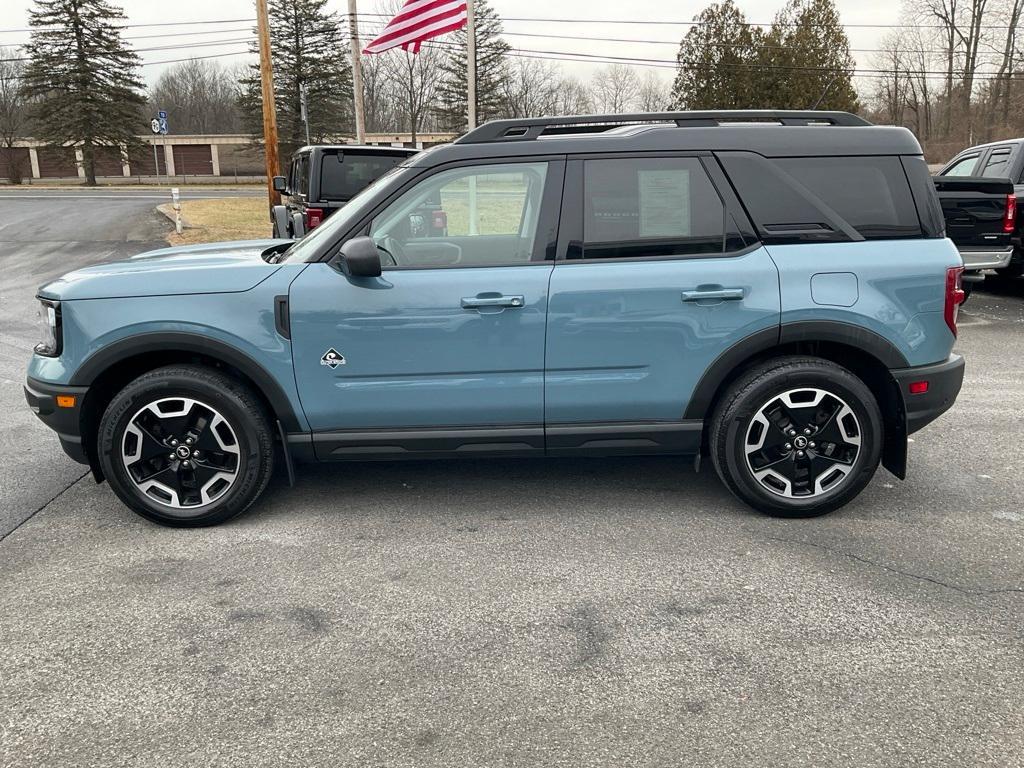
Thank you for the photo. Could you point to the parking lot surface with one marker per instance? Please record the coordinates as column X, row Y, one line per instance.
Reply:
column 513, row 613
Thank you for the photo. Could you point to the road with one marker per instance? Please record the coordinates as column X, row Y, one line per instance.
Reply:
column 581, row 613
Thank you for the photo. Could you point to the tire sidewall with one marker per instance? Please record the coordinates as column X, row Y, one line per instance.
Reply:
column 840, row 383
column 150, row 389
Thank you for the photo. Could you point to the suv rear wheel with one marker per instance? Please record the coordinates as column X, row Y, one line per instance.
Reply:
column 186, row 446
column 796, row 437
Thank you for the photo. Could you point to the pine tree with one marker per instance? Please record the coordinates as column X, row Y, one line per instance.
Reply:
column 82, row 78
column 308, row 48
column 807, row 59
column 717, row 62
column 491, row 70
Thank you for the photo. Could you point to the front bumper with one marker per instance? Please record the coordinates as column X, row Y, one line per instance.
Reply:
column 66, row 422
column 986, row 258
column 944, row 382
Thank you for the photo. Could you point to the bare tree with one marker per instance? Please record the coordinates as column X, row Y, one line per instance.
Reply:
column 201, row 95
column 615, row 88
column 531, row 88
column 653, row 94
column 572, row 97
column 892, row 86
column 13, row 113
column 1011, row 13
column 413, row 77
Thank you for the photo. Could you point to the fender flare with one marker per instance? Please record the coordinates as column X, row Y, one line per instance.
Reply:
column 855, row 336
column 146, row 343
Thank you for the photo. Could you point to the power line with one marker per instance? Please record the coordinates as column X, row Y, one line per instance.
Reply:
column 695, row 23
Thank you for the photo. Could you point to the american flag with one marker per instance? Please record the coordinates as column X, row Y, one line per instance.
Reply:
column 419, row 20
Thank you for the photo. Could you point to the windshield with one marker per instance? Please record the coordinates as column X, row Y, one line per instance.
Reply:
column 327, row 232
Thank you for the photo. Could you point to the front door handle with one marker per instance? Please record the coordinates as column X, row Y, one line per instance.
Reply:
column 714, row 294
column 479, row 302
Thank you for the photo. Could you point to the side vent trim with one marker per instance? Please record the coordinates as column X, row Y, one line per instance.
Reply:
column 282, row 322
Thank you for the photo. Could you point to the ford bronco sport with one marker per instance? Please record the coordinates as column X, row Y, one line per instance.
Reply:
column 772, row 290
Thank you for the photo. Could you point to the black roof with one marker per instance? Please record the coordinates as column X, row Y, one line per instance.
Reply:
column 769, row 133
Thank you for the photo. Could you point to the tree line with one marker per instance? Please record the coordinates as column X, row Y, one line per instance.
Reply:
column 953, row 72
column 77, row 81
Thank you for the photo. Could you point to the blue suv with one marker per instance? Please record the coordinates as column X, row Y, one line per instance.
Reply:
column 772, row 290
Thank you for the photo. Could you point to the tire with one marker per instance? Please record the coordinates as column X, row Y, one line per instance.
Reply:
column 750, row 432
column 179, row 410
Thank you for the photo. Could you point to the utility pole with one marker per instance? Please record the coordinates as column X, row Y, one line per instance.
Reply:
column 304, row 110
column 357, row 72
column 269, row 109
column 470, row 63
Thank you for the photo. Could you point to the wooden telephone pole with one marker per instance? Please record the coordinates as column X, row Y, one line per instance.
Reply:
column 269, row 108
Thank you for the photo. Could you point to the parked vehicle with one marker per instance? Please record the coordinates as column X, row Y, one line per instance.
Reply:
column 323, row 178
column 769, row 289
column 979, row 190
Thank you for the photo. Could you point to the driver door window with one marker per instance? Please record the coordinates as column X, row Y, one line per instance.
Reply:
column 482, row 215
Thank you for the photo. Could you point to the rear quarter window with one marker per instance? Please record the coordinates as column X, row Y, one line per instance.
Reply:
column 824, row 199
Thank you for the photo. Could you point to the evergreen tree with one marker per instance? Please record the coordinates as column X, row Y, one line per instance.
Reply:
column 491, row 70
column 82, row 77
column 307, row 48
column 717, row 62
column 807, row 58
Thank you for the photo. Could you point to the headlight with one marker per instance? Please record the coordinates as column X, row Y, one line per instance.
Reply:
column 49, row 326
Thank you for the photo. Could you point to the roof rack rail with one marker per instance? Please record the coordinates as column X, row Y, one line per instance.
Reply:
column 530, row 128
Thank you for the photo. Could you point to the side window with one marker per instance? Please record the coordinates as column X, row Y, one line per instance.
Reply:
column 664, row 206
column 301, row 175
column 475, row 216
column 870, row 193
column 962, row 167
column 998, row 164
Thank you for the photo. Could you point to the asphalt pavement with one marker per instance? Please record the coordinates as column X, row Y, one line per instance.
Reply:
column 621, row 612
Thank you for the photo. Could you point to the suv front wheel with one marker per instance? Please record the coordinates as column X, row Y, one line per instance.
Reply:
column 796, row 437
column 186, row 446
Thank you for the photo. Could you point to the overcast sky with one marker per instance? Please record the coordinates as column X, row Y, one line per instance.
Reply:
column 151, row 11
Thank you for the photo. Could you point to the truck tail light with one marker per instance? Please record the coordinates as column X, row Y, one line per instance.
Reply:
column 954, row 296
column 440, row 220
column 314, row 218
column 1010, row 216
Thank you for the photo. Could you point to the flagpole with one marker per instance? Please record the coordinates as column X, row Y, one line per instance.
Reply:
column 470, row 63
column 357, row 72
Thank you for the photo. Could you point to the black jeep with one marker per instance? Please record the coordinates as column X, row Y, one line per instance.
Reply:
column 323, row 178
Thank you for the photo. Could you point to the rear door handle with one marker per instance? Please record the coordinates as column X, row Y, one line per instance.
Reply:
column 714, row 294
column 478, row 302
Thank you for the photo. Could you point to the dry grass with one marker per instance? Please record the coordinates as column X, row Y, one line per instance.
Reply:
column 227, row 218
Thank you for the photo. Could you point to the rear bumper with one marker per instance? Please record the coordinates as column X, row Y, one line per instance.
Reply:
column 66, row 422
column 990, row 258
column 944, row 382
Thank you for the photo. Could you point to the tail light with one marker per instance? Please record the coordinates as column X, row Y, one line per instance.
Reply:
column 954, row 296
column 314, row 218
column 1010, row 217
column 440, row 220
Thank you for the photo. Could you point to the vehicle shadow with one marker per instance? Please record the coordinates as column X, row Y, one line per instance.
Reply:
column 502, row 487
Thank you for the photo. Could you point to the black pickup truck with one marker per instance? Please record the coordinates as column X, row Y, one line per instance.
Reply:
column 323, row 178
column 979, row 189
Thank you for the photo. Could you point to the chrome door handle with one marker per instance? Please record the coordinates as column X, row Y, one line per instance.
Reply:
column 476, row 302
column 720, row 294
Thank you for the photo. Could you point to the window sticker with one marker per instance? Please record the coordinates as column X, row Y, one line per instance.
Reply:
column 664, row 203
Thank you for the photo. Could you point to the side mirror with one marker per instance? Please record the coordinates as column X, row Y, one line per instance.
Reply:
column 280, row 184
column 360, row 257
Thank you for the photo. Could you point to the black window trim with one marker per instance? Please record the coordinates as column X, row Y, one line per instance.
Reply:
column 547, row 226
column 570, row 236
